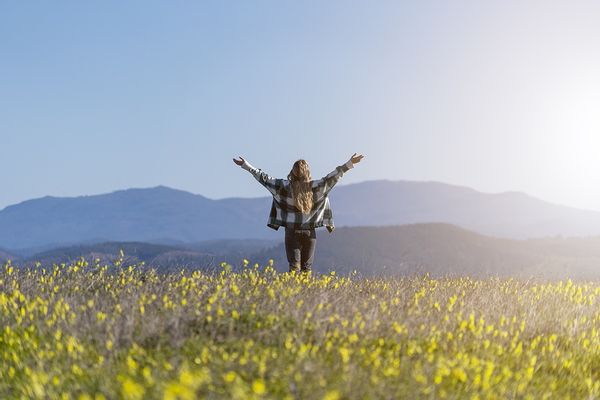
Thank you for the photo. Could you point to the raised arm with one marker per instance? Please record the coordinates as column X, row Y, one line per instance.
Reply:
column 273, row 185
column 327, row 183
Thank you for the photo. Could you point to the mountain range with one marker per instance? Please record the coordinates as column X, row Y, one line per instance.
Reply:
column 168, row 216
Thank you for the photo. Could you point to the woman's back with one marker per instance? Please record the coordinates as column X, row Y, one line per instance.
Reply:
column 312, row 210
column 300, row 204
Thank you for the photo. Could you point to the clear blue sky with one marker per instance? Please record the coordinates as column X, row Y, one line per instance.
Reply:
column 106, row 95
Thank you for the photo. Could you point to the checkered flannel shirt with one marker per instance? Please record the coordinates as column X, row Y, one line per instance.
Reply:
column 284, row 213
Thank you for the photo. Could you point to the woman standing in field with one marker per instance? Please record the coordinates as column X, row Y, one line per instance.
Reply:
column 301, row 205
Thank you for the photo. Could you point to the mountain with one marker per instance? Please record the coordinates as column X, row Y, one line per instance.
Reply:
column 164, row 215
column 437, row 249
column 509, row 215
column 147, row 215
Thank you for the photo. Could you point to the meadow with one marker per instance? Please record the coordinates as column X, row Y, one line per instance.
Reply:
column 91, row 331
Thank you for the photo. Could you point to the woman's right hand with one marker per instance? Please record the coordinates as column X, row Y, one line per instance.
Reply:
column 239, row 162
column 356, row 158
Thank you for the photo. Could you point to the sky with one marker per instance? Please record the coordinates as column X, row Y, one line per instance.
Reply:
column 108, row 95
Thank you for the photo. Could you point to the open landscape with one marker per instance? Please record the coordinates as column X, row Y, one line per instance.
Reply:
column 419, row 310
column 92, row 331
column 291, row 200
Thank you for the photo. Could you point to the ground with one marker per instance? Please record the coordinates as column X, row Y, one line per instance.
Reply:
column 89, row 331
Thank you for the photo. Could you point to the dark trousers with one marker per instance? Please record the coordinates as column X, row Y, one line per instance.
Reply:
column 300, row 248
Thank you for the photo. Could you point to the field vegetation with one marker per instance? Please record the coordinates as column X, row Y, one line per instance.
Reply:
column 92, row 331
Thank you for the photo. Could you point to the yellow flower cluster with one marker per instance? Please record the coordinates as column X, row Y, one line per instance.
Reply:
column 91, row 331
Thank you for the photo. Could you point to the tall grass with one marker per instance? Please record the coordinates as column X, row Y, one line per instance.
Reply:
column 91, row 331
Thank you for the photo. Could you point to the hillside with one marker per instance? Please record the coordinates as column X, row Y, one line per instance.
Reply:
column 204, row 255
column 437, row 249
column 159, row 256
column 5, row 256
column 446, row 250
column 164, row 215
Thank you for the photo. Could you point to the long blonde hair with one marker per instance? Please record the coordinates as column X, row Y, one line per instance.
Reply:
column 302, row 193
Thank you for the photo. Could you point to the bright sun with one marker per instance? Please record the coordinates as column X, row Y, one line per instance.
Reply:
column 572, row 146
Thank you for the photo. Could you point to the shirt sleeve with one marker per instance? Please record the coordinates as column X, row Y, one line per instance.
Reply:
column 327, row 183
column 273, row 185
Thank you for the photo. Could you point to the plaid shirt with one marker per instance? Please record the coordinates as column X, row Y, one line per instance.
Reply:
column 283, row 211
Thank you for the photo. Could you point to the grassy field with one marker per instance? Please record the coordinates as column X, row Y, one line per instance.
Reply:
column 97, row 332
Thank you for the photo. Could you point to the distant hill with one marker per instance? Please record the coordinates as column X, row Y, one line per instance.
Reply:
column 446, row 250
column 5, row 256
column 204, row 255
column 437, row 249
column 164, row 215
column 163, row 258
column 243, row 247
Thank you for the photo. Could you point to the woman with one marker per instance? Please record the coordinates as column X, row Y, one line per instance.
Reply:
column 300, row 204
